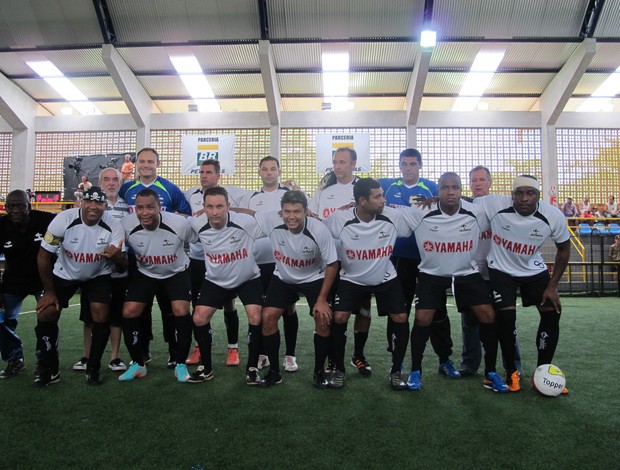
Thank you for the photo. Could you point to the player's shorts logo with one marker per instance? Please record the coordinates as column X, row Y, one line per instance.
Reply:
column 428, row 247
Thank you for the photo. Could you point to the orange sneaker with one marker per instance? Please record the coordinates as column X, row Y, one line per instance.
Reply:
column 233, row 357
column 514, row 381
column 194, row 357
column 564, row 391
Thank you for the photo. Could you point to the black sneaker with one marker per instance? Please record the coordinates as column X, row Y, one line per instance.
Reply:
column 117, row 365
column 200, row 376
column 362, row 365
column 397, row 382
column 93, row 377
column 252, row 377
column 81, row 364
column 336, row 379
column 171, row 362
column 13, row 368
column 46, row 377
column 319, row 379
column 272, row 378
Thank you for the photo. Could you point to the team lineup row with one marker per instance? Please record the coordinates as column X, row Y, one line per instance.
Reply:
column 383, row 245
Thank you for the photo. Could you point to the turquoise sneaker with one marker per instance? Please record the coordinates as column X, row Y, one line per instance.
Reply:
column 494, row 382
column 135, row 371
column 414, row 382
column 181, row 373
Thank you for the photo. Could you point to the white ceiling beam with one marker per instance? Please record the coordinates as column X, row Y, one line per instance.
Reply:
column 16, row 107
column 416, row 85
column 133, row 93
column 558, row 92
column 270, row 82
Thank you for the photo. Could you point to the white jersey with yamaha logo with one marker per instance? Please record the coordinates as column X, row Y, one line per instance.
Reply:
column 195, row 198
column 517, row 239
column 365, row 247
column 160, row 253
column 79, row 246
column 447, row 243
column 299, row 257
column 328, row 200
column 265, row 201
column 229, row 251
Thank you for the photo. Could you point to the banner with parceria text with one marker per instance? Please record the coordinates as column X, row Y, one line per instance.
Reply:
column 197, row 148
column 327, row 144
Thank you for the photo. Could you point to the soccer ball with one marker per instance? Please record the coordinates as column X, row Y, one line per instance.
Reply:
column 548, row 380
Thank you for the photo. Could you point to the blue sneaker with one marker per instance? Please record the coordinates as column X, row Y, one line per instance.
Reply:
column 447, row 368
column 494, row 382
column 414, row 382
column 135, row 371
column 181, row 373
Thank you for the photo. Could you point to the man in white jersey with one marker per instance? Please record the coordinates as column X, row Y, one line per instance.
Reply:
column 209, row 177
column 520, row 224
column 335, row 194
column 367, row 234
column 448, row 237
column 231, row 270
column 480, row 182
column 268, row 199
column 306, row 262
column 110, row 182
column 158, row 240
column 87, row 241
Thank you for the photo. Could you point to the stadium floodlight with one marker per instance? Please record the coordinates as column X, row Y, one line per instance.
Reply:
column 600, row 99
column 63, row 86
column 193, row 78
column 428, row 38
column 477, row 80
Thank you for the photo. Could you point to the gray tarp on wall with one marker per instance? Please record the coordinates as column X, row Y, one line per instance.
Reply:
column 89, row 165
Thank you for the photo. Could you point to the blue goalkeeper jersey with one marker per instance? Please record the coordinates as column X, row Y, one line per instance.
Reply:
column 398, row 194
column 171, row 197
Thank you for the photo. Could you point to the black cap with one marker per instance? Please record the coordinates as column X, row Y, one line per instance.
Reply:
column 94, row 193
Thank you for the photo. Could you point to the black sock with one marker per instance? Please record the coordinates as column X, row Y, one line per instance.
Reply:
column 400, row 338
column 255, row 344
column 184, row 337
column 339, row 342
column 47, row 344
column 359, row 343
column 419, row 338
column 389, row 333
column 441, row 335
column 321, row 348
column 547, row 336
column 170, row 334
column 505, row 323
column 231, row 319
column 271, row 345
column 291, row 325
column 488, row 338
column 204, row 338
column 132, row 333
column 101, row 333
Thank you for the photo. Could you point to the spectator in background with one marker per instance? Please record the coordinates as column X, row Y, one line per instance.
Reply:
column 570, row 209
column 127, row 169
column 585, row 208
column 612, row 207
column 614, row 252
column 83, row 186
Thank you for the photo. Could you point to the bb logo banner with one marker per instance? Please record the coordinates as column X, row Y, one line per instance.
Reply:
column 327, row 144
column 197, row 148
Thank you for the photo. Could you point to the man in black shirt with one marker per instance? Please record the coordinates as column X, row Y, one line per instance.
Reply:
column 21, row 232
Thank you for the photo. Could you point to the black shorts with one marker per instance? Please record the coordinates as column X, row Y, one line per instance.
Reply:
column 469, row 291
column 504, row 287
column 119, row 287
column 389, row 297
column 212, row 295
column 142, row 288
column 281, row 294
column 97, row 289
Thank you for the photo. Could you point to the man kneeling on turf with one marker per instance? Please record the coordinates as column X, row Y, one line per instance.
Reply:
column 306, row 262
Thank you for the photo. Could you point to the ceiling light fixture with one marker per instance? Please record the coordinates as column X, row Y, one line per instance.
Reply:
column 193, row 78
column 477, row 80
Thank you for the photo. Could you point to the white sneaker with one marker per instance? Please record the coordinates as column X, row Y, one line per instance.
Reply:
column 81, row 364
column 263, row 361
column 290, row 364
